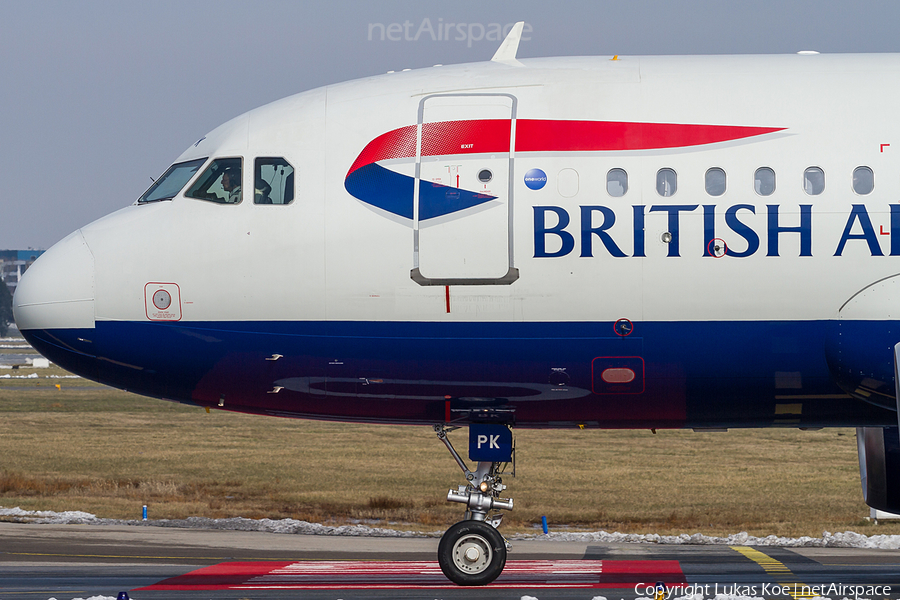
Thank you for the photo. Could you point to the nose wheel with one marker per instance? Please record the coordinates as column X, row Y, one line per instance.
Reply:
column 472, row 553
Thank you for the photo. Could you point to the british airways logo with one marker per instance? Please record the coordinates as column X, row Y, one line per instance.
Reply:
column 375, row 179
column 385, row 188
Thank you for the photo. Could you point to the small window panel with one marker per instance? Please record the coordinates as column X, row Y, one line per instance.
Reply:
column 666, row 182
column 863, row 180
column 220, row 182
column 171, row 182
column 764, row 181
column 617, row 183
column 273, row 181
column 813, row 181
column 715, row 181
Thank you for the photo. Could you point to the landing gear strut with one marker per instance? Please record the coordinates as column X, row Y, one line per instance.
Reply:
column 473, row 552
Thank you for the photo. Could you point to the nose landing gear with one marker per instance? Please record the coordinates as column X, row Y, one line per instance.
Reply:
column 472, row 552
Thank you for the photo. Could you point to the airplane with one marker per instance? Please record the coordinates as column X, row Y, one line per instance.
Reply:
column 701, row 242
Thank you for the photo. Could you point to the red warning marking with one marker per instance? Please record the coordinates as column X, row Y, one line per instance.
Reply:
column 347, row 575
column 716, row 244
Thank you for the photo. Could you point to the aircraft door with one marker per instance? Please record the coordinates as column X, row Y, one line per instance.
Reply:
column 463, row 194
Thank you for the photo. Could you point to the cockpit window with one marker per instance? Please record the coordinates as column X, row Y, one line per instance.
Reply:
column 220, row 182
column 167, row 186
column 273, row 181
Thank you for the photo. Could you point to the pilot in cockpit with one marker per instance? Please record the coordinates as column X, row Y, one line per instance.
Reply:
column 231, row 183
column 262, row 191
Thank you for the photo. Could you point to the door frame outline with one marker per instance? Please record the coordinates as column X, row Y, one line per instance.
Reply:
column 512, row 273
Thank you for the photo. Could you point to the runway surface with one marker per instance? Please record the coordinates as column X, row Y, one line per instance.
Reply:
column 38, row 562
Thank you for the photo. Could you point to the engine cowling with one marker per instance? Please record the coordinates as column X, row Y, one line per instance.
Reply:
column 879, row 466
column 860, row 344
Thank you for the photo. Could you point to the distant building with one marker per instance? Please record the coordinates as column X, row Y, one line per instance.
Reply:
column 13, row 263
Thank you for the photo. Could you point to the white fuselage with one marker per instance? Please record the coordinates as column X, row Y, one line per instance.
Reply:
column 791, row 256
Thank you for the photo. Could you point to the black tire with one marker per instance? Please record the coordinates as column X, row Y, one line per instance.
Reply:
column 472, row 553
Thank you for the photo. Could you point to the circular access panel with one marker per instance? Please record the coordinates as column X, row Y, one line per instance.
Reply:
column 162, row 299
column 623, row 327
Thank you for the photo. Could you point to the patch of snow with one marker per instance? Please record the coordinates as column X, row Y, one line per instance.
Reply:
column 50, row 517
column 283, row 526
column 232, row 524
column 36, row 376
column 847, row 539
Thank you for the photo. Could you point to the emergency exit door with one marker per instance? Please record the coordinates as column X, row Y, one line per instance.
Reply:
column 463, row 194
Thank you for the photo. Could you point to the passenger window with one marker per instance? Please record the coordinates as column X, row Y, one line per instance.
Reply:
column 220, row 182
column 666, row 182
column 168, row 186
column 863, row 180
column 764, row 181
column 617, row 183
column 715, row 181
column 273, row 181
column 814, row 181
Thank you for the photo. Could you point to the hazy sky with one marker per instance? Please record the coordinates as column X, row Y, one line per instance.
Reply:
column 98, row 97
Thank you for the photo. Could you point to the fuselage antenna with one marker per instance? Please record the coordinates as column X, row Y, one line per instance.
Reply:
column 506, row 53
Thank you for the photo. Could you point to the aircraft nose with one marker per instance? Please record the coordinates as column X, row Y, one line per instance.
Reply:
column 57, row 291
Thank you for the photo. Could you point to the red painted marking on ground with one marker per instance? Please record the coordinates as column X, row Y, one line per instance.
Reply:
column 344, row 575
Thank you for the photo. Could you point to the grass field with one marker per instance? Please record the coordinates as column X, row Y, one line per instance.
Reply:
column 85, row 447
